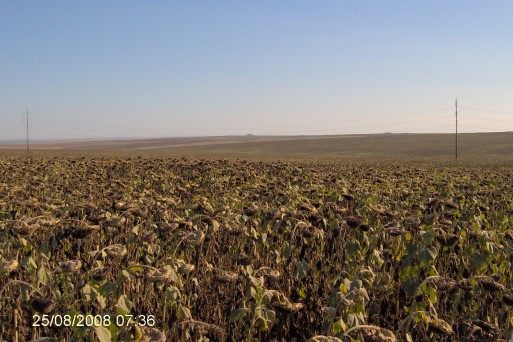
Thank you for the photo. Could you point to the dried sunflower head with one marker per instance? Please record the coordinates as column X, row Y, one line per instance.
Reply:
column 322, row 338
column 288, row 307
column 100, row 274
column 115, row 251
column 378, row 335
column 491, row 285
column 195, row 238
column 153, row 335
column 440, row 326
column 225, row 276
column 184, row 267
column 353, row 222
column 163, row 274
column 236, row 231
column 43, row 305
column 329, row 311
column 82, row 230
column 507, row 299
column 273, row 274
column 70, row 266
column 357, row 295
column 23, row 228
column 394, row 231
column 8, row 266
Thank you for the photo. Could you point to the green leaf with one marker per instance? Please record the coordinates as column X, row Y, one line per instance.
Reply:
column 25, row 292
column 423, row 318
column 504, row 266
column 101, row 300
column 509, row 336
column 113, row 328
column 102, row 333
column 138, row 333
column 87, row 290
column 343, row 288
column 353, row 248
column 173, row 276
column 256, row 281
column 351, row 320
column 108, row 288
column 410, row 280
column 42, row 275
column 479, row 261
column 356, row 284
column 237, row 314
column 428, row 237
column 44, row 251
column 427, row 255
column 53, row 243
column 302, row 294
column 135, row 230
column 262, row 324
column 183, row 313
column 173, row 294
column 301, row 270
column 270, row 315
column 263, row 238
column 339, row 327
column 431, row 292
column 286, row 250
column 148, row 258
column 408, row 236
column 377, row 257
column 136, row 269
column 30, row 263
column 122, row 305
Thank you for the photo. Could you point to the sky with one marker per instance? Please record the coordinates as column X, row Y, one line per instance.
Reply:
column 112, row 69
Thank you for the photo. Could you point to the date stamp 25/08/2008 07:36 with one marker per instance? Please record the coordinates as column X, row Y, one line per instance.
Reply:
column 57, row 320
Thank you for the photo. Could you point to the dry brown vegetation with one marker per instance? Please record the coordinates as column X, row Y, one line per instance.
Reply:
column 256, row 250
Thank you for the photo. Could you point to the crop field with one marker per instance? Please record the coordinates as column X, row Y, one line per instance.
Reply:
column 189, row 249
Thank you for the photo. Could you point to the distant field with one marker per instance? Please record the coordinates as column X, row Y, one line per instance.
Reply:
column 474, row 146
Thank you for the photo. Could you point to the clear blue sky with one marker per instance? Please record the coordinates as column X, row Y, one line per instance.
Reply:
column 87, row 69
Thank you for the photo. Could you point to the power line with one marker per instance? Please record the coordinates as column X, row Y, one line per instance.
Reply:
column 381, row 124
column 352, row 125
column 486, row 110
column 488, row 119
column 117, row 128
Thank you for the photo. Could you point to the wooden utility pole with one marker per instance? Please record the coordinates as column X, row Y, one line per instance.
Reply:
column 26, row 122
column 456, row 105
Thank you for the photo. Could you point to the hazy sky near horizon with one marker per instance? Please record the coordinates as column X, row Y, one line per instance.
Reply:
column 90, row 69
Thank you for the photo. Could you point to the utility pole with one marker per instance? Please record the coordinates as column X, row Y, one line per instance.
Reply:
column 456, row 106
column 26, row 121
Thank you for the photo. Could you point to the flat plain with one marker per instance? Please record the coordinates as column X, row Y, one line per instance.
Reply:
column 340, row 238
column 488, row 147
